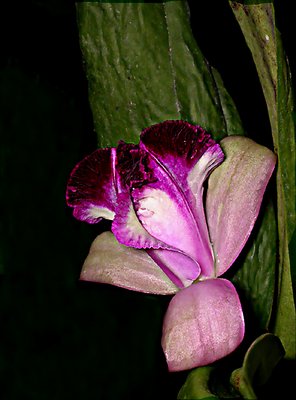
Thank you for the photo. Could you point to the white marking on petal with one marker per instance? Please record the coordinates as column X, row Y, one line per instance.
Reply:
column 100, row 212
column 209, row 160
column 164, row 219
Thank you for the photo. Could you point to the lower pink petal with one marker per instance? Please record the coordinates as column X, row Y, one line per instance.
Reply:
column 203, row 323
column 110, row 262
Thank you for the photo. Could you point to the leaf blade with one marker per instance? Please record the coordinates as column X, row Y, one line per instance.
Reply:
column 197, row 385
column 257, row 22
column 144, row 67
column 259, row 362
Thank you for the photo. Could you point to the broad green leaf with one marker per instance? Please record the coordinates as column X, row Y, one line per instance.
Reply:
column 256, row 280
column 259, row 362
column 292, row 252
column 196, row 385
column 257, row 22
column 143, row 67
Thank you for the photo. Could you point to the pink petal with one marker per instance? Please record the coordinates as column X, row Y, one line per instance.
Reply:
column 179, row 267
column 131, row 171
column 127, row 228
column 91, row 189
column 161, row 224
column 163, row 213
column 115, row 264
column 171, row 207
column 203, row 323
column 234, row 196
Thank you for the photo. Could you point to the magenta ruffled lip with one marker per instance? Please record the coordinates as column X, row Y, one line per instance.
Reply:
column 176, row 140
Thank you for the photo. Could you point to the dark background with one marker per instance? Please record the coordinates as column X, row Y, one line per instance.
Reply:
column 61, row 338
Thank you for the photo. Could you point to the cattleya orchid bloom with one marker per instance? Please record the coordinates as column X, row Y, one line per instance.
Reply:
column 170, row 233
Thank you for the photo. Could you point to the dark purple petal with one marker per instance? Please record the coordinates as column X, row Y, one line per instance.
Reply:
column 91, row 189
column 176, row 144
column 234, row 195
column 132, row 166
column 181, row 158
column 203, row 323
column 112, row 263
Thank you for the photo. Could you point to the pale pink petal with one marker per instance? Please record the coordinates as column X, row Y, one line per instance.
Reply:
column 110, row 262
column 203, row 323
column 234, row 195
column 178, row 266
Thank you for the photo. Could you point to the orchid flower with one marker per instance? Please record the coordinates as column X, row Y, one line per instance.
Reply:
column 171, row 232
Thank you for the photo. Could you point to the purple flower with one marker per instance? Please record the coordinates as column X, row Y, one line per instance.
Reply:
column 172, row 233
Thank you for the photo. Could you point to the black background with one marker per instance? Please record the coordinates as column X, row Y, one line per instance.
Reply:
column 61, row 338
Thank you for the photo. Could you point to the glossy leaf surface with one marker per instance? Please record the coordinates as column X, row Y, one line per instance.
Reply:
column 260, row 360
column 196, row 386
column 144, row 66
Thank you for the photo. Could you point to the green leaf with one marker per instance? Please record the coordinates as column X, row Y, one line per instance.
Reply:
column 256, row 280
column 259, row 362
column 143, row 67
column 292, row 252
column 257, row 22
column 196, row 385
